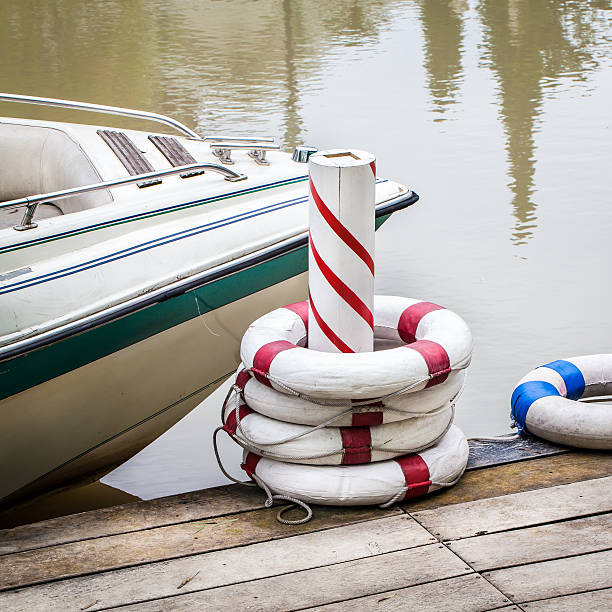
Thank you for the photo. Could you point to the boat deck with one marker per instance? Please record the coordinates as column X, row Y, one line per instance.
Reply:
column 529, row 535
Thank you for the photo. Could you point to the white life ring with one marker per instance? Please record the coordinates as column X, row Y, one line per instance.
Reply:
column 346, row 412
column 437, row 342
column 334, row 445
column 374, row 483
column 544, row 402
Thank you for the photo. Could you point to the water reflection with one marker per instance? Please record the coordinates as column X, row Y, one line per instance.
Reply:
column 443, row 32
column 531, row 45
column 207, row 63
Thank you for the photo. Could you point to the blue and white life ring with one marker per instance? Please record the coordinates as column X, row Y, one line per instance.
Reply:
column 544, row 403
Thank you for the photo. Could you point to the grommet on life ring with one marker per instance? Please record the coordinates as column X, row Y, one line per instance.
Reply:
column 544, row 403
column 334, row 445
column 384, row 482
column 437, row 342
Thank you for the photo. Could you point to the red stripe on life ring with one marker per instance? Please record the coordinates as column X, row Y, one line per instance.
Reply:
column 231, row 424
column 373, row 166
column 411, row 317
column 341, row 231
column 250, row 463
column 328, row 331
column 366, row 419
column 357, row 444
column 301, row 310
column 242, row 379
column 264, row 357
column 341, row 288
column 436, row 358
column 416, row 475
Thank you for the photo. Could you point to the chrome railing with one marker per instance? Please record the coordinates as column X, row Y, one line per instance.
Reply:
column 100, row 108
column 32, row 202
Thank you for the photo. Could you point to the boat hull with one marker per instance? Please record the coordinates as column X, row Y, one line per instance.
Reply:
column 105, row 411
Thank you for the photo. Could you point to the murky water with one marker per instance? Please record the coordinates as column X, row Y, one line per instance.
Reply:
column 496, row 112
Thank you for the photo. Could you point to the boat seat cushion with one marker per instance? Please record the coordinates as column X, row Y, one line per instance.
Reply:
column 36, row 159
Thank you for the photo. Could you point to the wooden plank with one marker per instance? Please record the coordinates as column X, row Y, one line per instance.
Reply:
column 535, row 544
column 517, row 477
column 323, row 585
column 230, row 499
column 134, row 516
column 466, row 593
column 215, row 569
column 518, row 510
column 173, row 541
column 591, row 600
column 554, row 578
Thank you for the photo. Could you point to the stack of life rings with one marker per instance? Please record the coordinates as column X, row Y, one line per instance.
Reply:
column 352, row 428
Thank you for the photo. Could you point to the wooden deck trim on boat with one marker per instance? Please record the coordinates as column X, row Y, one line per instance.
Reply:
column 128, row 154
column 175, row 153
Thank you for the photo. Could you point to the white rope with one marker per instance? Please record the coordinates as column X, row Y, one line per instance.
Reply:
column 270, row 497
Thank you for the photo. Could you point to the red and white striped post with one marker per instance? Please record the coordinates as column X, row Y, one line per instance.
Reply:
column 341, row 251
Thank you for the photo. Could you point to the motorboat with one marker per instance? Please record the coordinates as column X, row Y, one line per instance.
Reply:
column 131, row 263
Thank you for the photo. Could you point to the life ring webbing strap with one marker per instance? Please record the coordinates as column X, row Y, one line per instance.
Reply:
column 264, row 356
column 366, row 419
column 416, row 475
column 301, row 310
column 250, row 463
column 231, row 424
column 436, row 358
column 527, row 393
column 411, row 317
column 571, row 375
column 357, row 445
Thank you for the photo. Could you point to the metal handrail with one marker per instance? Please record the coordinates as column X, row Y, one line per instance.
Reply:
column 100, row 108
column 32, row 202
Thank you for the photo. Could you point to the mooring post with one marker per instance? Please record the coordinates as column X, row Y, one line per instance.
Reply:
column 341, row 251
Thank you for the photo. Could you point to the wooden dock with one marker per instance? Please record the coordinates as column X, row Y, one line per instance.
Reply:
column 532, row 535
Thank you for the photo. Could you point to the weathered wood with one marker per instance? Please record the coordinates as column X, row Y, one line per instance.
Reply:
column 535, row 544
column 132, row 517
column 210, row 570
column 470, row 593
column 518, row 510
column 489, row 453
column 518, row 477
column 323, row 585
column 554, row 578
column 173, row 541
column 591, row 600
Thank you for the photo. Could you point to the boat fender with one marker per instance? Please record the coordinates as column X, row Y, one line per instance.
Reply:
column 545, row 402
column 436, row 343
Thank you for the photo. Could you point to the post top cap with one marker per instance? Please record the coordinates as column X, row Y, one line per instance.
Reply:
column 342, row 158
